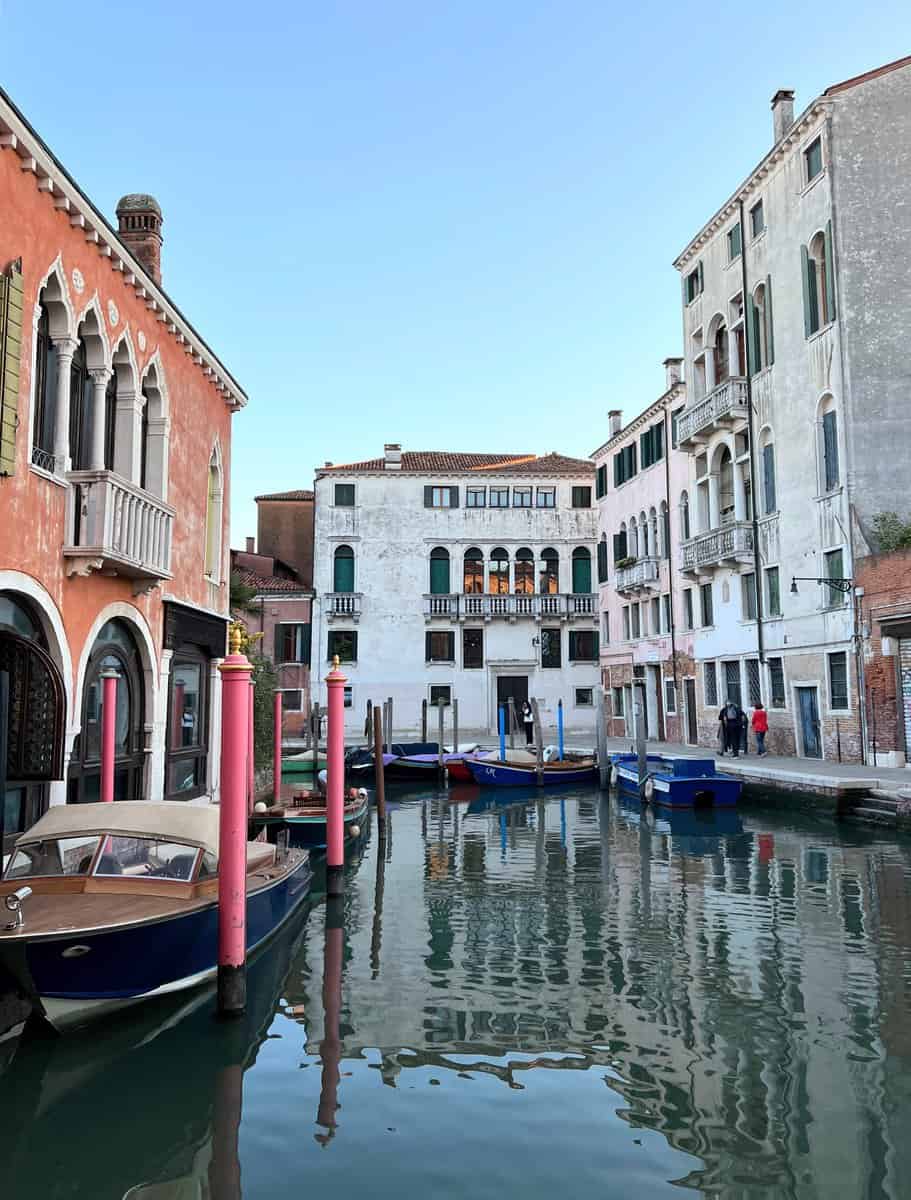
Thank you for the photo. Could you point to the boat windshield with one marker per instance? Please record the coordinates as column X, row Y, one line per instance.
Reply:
column 146, row 858
column 55, row 856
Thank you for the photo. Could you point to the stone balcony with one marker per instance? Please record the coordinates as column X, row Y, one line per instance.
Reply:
column 722, row 408
column 342, row 606
column 640, row 576
column 115, row 527
column 561, row 607
column 731, row 543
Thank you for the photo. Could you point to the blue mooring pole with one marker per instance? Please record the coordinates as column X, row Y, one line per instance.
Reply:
column 502, row 733
column 560, row 729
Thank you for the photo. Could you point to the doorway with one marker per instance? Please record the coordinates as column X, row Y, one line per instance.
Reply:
column 692, row 732
column 516, row 688
column 808, row 708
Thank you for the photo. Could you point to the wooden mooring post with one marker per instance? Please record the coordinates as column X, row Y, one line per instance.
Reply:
column 641, row 753
column 455, row 725
column 513, row 723
column 314, row 738
column 601, row 742
column 539, row 744
column 379, row 769
column 423, row 720
column 440, row 716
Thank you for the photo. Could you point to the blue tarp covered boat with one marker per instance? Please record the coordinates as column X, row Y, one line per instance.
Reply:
column 489, row 773
column 677, row 782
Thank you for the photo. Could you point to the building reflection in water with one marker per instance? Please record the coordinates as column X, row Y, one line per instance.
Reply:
column 743, row 983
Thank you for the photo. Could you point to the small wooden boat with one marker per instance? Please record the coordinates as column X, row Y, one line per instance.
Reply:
column 116, row 903
column 302, row 764
column 417, row 761
column 495, row 773
column 305, row 818
column 677, row 782
column 459, row 771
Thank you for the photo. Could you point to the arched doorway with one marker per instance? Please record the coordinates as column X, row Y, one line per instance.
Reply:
column 115, row 648
column 36, row 715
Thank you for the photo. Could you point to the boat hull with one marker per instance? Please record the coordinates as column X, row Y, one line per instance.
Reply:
column 498, row 774
column 85, row 974
column 674, row 787
column 308, row 830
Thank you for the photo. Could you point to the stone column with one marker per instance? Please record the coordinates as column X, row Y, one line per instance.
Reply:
column 65, row 348
column 100, row 379
column 128, row 442
column 740, row 504
column 709, row 361
column 714, row 500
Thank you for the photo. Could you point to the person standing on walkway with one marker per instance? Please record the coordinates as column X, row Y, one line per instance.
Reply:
column 730, row 719
column 760, row 724
column 528, row 720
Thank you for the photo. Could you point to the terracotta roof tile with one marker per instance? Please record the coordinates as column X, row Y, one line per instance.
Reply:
column 269, row 583
column 299, row 494
column 424, row 461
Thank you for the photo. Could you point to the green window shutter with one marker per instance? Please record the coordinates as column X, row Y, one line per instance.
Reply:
column 645, row 447
column 427, row 650
column 830, row 445
column 343, row 575
column 450, row 646
column 632, row 459
column 10, row 357
column 306, row 643
column 769, row 332
column 602, row 561
column 582, row 576
column 830, row 273
column 808, row 328
column 700, row 277
column 428, row 496
column 453, row 497
column 596, row 639
column 749, row 326
column 617, row 473
column 768, row 472
column 658, row 441
column 439, row 576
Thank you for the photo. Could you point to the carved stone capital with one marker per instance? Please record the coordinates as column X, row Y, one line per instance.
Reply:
column 100, row 376
column 65, row 347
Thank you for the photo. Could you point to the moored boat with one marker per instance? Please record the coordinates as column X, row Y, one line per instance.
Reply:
column 677, row 782
column 115, row 903
column 496, row 773
column 305, row 818
column 459, row 771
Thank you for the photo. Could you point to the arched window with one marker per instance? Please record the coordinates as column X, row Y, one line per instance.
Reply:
column 761, row 329
column 721, row 354
column 473, row 572
column 818, row 283
column 633, row 541
column 114, row 649
column 498, row 572
column 726, row 486
column 665, row 528
column 830, row 470
column 343, row 570
column 45, row 395
column 80, row 410
column 153, row 434
column 769, row 500
column 214, row 520
column 439, row 571
column 549, row 578
column 110, row 421
column 524, row 581
column 602, row 559
column 582, row 571
column 684, row 516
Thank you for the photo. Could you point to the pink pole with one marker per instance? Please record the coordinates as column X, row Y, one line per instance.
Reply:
column 277, row 751
column 251, row 762
column 108, row 733
column 331, row 1045
column 335, row 784
column 232, row 830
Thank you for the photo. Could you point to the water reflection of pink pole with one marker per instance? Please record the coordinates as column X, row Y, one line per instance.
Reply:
column 108, row 733
column 331, row 1047
column 335, row 783
column 224, row 1169
column 251, row 764
column 277, row 751
column 232, row 830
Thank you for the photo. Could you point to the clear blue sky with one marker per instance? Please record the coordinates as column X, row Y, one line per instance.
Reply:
column 445, row 224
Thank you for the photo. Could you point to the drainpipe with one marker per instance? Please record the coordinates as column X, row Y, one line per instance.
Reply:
column 670, row 558
column 754, row 491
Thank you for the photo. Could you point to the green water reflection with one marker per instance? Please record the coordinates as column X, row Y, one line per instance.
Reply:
column 517, row 999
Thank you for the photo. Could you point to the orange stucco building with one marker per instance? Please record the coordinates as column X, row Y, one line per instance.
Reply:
column 115, row 438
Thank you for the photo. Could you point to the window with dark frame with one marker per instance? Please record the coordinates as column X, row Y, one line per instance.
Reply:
column 342, row 642
column 708, row 612
column 498, row 497
column 710, row 683
column 812, row 157
column 292, row 642
column 585, row 697
column 776, row 683
column 734, row 242
column 442, row 497
column 675, row 417
column 834, row 597
column 688, row 608
column 748, row 595
column 551, row 655
column 344, row 495
column 583, row 645
column 546, row 497
column 693, row 283
column 291, row 699
column 601, row 482
column 348, row 697
column 624, row 616
column 439, row 646
column 757, row 219
column 521, row 497
column 670, row 697
column 754, row 686
column 618, row 707
column 666, row 612
column 476, row 497
column 772, row 592
column 188, row 725
column 582, row 496
column 472, row 649
column 830, row 450
column 636, row 621
column 838, row 680
column 440, row 694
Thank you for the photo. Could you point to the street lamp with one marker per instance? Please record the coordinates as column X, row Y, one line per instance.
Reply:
column 840, row 585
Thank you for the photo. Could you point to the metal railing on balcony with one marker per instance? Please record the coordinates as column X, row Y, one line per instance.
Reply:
column 511, row 606
column 723, row 405
column 638, row 576
column 115, row 525
column 734, row 541
column 346, row 605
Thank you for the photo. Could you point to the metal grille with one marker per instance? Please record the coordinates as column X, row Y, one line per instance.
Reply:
column 776, row 683
column 732, row 680
column 43, row 459
column 754, row 689
column 36, row 711
column 711, row 684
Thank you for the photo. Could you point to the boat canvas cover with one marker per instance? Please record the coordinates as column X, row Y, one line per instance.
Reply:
column 173, row 821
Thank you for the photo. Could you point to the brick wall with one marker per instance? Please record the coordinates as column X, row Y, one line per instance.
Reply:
column 886, row 616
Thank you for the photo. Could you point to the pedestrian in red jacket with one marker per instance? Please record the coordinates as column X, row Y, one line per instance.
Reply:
column 760, row 727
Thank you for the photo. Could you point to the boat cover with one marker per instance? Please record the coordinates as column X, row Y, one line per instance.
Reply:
column 170, row 821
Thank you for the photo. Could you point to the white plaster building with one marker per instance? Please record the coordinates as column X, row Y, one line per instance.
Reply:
column 442, row 576
column 796, row 317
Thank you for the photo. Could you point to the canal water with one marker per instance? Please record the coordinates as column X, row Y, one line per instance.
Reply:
column 520, row 996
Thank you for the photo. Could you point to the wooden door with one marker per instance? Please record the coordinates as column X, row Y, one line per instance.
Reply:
column 809, row 722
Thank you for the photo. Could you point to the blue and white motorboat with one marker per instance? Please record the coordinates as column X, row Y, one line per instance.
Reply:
column 115, row 903
column 676, row 782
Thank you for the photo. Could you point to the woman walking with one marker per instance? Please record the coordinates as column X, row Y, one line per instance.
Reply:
column 528, row 719
column 760, row 725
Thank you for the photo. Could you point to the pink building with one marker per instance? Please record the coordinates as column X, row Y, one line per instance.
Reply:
column 647, row 617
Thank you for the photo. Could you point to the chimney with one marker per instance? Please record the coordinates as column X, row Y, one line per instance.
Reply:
column 139, row 222
column 251, row 545
column 782, row 113
column 614, row 417
column 673, row 372
column 392, row 454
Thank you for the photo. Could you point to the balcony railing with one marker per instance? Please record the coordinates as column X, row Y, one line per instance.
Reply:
column 639, row 576
column 343, row 606
column 708, row 550
column 559, row 607
column 116, row 526
column 724, row 405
